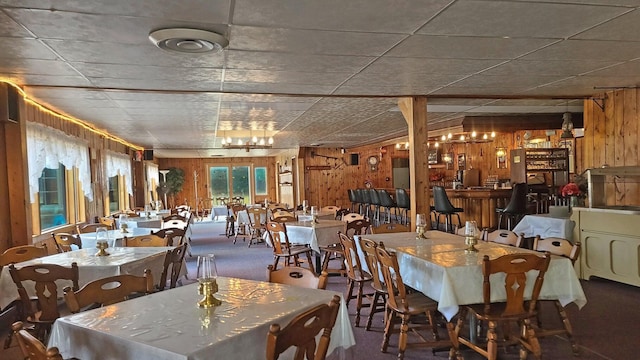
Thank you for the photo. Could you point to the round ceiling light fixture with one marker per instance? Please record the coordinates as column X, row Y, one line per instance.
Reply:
column 191, row 41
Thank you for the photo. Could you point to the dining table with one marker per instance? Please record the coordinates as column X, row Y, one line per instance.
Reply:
column 89, row 240
column 441, row 268
column 122, row 260
column 545, row 226
column 153, row 221
column 169, row 325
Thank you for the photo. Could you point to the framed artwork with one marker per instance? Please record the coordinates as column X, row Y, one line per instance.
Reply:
column 462, row 162
column 569, row 144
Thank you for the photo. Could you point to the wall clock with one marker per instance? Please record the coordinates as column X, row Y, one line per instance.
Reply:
column 373, row 163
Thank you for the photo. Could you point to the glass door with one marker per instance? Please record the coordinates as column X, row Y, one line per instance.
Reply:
column 219, row 179
column 241, row 182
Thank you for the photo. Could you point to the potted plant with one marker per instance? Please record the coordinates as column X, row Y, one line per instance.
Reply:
column 174, row 180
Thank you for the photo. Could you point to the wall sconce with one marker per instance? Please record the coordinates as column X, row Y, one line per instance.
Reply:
column 501, row 156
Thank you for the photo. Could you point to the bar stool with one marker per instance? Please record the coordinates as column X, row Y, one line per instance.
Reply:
column 359, row 201
column 352, row 199
column 444, row 207
column 375, row 202
column 404, row 205
column 386, row 202
column 516, row 209
column 366, row 201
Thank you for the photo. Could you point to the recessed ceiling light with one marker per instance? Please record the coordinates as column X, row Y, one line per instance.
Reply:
column 192, row 41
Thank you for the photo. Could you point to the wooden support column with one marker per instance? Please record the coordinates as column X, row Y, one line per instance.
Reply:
column 414, row 110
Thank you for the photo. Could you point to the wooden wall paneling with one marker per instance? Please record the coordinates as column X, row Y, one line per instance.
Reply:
column 617, row 187
column 630, row 133
column 5, row 212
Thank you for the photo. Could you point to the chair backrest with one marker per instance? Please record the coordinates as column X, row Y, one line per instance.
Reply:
column 144, row 241
column 558, row 246
column 352, row 195
column 173, row 262
column 65, row 240
column 352, row 217
column 183, row 210
column 295, row 275
column 518, row 202
column 389, row 228
column 515, row 268
column 375, row 198
column 279, row 238
column 441, row 200
column 175, row 221
column 366, row 196
column 402, row 198
column 385, row 198
column 32, row 348
column 357, row 227
column 284, row 217
column 44, row 277
column 173, row 236
column 331, row 208
column 236, row 207
column 175, row 217
column 301, row 332
column 505, row 237
column 109, row 290
column 22, row 253
column 341, row 213
column 257, row 217
column 351, row 257
column 108, row 222
column 397, row 292
column 88, row 228
column 371, row 258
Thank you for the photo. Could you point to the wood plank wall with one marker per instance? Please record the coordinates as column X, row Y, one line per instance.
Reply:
column 611, row 137
column 202, row 165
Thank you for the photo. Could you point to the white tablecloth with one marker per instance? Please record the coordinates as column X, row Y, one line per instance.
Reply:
column 303, row 232
column 441, row 269
column 133, row 260
column 169, row 324
column 89, row 239
column 545, row 226
column 220, row 211
column 142, row 222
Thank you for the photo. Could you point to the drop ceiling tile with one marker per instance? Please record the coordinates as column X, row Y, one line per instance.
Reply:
column 64, row 93
column 158, row 84
column 120, row 71
column 9, row 28
column 142, row 96
column 548, row 67
column 38, row 79
column 286, row 77
column 507, row 81
column 17, row 48
column 406, row 65
column 312, row 41
column 623, row 28
column 466, row 47
column 518, row 19
column 36, row 67
column 282, row 88
column 354, row 15
column 146, row 54
column 255, row 60
column 588, row 50
column 406, row 80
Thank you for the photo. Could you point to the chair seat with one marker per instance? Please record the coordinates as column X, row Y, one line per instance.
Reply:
column 496, row 313
column 360, row 275
column 296, row 250
column 418, row 304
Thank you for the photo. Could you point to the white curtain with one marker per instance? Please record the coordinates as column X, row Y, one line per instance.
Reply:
column 153, row 176
column 48, row 148
column 119, row 164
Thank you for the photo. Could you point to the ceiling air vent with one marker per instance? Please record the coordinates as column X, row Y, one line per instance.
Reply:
column 191, row 41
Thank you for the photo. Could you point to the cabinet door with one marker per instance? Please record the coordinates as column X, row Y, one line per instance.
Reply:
column 610, row 256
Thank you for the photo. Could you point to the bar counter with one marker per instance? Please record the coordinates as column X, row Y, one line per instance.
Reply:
column 479, row 204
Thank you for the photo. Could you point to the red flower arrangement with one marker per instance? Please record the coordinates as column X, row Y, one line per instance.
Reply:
column 571, row 189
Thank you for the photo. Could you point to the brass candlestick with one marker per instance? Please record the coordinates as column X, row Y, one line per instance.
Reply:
column 420, row 229
column 208, row 287
column 471, row 241
column 102, row 246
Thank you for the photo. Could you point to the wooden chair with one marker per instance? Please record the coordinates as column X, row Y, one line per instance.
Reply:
column 301, row 332
column 390, row 228
column 294, row 275
column 173, row 236
column 406, row 305
column 257, row 224
column 241, row 228
column 334, row 251
column 514, row 310
column 352, row 217
column 378, row 302
column 44, row 277
column 32, row 348
column 22, row 253
column 107, row 291
column 341, row 213
column 330, row 208
column 505, row 237
column 65, row 240
column 175, row 221
column 355, row 274
column 174, row 260
column 144, row 241
column 560, row 247
column 88, row 228
column 109, row 222
column 357, row 227
column 281, row 217
column 283, row 249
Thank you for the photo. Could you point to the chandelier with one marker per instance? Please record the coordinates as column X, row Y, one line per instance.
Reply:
column 248, row 145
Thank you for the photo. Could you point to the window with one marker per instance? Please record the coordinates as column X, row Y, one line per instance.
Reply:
column 241, row 182
column 219, row 178
column 260, row 175
column 114, row 194
column 53, row 204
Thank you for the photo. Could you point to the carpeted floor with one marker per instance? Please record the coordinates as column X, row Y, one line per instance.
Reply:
column 610, row 310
